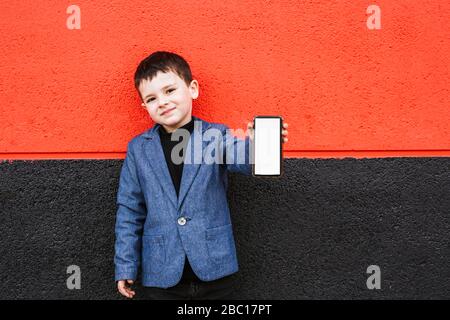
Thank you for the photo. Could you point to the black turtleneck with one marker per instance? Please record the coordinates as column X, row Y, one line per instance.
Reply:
column 176, row 172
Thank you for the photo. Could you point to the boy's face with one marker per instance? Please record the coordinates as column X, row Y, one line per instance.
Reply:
column 168, row 99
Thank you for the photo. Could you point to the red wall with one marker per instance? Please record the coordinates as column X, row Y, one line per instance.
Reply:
column 345, row 90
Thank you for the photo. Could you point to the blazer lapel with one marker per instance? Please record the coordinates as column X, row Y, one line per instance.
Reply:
column 193, row 158
column 158, row 163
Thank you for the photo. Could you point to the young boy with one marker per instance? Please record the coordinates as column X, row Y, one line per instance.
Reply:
column 173, row 219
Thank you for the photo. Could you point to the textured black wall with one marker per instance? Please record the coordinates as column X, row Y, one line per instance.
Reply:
column 310, row 235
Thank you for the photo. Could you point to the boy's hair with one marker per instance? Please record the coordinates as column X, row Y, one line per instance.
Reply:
column 162, row 61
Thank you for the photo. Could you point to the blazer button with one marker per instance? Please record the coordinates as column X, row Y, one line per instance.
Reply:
column 182, row 221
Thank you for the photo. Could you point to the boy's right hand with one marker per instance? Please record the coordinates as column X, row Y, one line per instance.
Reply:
column 124, row 289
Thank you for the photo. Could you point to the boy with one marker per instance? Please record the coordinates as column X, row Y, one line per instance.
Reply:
column 173, row 219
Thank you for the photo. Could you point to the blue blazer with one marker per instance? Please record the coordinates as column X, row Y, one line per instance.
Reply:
column 155, row 229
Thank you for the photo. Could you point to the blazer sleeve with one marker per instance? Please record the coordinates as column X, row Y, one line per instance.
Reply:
column 237, row 153
column 130, row 219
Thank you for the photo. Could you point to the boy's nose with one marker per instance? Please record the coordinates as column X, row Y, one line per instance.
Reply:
column 163, row 102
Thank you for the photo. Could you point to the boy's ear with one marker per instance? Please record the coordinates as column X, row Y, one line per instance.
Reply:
column 193, row 88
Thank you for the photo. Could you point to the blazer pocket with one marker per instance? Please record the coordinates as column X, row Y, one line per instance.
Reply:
column 153, row 253
column 219, row 242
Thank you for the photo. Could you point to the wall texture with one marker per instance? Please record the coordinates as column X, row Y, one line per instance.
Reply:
column 342, row 87
column 313, row 237
column 367, row 164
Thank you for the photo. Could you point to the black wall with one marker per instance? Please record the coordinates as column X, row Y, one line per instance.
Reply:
column 310, row 235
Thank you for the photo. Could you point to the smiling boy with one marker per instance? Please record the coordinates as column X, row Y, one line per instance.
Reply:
column 173, row 219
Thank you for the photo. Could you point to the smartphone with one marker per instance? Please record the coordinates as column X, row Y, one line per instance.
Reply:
column 267, row 146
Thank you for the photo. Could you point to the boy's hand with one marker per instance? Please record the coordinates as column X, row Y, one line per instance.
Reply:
column 252, row 133
column 124, row 289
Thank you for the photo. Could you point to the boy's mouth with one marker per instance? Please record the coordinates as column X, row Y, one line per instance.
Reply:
column 167, row 111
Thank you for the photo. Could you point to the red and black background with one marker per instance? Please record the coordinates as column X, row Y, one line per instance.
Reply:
column 367, row 167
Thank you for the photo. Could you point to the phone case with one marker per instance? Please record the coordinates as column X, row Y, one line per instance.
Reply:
column 281, row 149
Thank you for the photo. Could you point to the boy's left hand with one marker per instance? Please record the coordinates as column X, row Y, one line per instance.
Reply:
column 284, row 132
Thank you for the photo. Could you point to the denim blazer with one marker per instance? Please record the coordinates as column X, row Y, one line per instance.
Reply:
column 155, row 230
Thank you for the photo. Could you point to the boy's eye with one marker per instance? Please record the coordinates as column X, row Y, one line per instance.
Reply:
column 169, row 90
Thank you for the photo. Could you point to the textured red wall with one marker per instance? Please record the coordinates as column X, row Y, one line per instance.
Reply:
column 345, row 90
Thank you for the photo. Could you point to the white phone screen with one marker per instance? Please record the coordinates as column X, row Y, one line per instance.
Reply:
column 267, row 152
